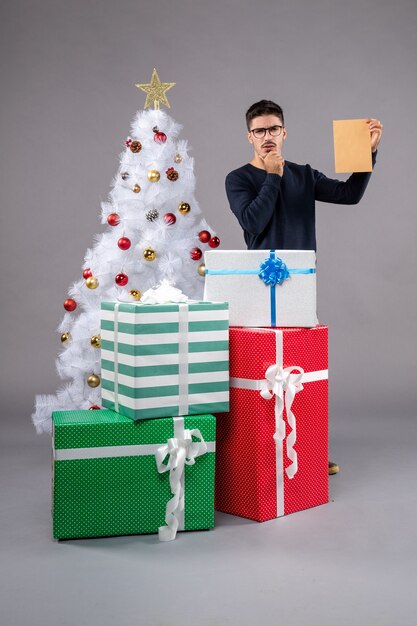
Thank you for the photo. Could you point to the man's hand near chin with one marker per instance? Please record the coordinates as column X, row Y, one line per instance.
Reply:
column 274, row 163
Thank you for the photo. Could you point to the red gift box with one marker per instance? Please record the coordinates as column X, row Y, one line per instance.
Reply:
column 272, row 446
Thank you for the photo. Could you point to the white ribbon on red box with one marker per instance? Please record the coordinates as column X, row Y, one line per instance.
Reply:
column 283, row 384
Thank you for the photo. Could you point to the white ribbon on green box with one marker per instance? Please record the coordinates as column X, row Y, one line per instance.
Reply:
column 283, row 384
column 182, row 358
column 181, row 450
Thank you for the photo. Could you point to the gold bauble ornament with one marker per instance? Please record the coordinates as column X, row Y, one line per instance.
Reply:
column 178, row 158
column 153, row 176
column 92, row 282
column 201, row 269
column 135, row 293
column 65, row 337
column 184, row 208
column 136, row 188
column 93, row 380
column 149, row 254
column 96, row 341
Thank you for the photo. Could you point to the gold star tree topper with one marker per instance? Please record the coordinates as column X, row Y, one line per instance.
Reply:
column 155, row 91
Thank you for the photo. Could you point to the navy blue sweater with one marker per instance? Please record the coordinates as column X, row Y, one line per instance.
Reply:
column 279, row 212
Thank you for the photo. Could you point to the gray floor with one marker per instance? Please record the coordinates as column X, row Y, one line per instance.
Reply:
column 351, row 562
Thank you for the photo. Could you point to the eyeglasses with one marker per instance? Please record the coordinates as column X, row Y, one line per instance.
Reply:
column 260, row 133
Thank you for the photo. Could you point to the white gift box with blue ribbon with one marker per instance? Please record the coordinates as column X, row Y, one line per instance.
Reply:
column 275, row 288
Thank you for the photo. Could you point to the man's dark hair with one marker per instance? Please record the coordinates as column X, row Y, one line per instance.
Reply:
column 264, row 107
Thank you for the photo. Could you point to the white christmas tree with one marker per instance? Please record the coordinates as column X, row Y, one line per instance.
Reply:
column 155, row 231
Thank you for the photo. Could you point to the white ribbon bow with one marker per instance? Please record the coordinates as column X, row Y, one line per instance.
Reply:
column 180, row 451
column 165, row 293
column 283, row 384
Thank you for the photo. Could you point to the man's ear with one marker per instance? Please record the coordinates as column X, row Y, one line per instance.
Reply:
column 284, row 134
column 250, row 139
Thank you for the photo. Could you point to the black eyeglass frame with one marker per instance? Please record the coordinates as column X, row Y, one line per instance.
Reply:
column 265, row 130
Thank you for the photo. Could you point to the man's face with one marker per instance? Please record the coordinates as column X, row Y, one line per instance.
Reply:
column 263, row 145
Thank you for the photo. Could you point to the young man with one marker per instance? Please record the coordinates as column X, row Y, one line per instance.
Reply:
column 274, row 200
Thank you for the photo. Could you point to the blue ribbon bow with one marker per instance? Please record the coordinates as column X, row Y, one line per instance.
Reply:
column 273, row 271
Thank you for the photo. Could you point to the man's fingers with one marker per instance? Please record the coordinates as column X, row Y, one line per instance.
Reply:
column 373, row 123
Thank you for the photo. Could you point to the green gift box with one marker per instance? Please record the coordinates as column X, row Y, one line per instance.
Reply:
column 115, row 476
column 160, row 360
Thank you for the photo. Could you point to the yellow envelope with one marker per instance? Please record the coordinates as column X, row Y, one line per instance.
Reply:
column 352, row 146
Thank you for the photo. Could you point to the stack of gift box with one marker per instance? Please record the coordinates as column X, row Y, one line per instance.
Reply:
column 185, row 429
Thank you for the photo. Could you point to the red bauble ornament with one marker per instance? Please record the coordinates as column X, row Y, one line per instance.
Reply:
column 121, row 279
column 159, row 136
column 87, row 273
column 214, row 242
column 196, row 254
column 204, row 236
column 124, row 243
column 94, row 407
column 113, row 219
column 169, row 218
column 70, row 305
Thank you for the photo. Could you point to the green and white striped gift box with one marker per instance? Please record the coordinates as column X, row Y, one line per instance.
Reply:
column 160, row 360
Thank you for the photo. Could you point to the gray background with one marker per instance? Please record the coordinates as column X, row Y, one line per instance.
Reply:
column 67, row 74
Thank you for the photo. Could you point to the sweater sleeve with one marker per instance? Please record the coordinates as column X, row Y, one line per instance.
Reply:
column 339, row 192
column 253, row 211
